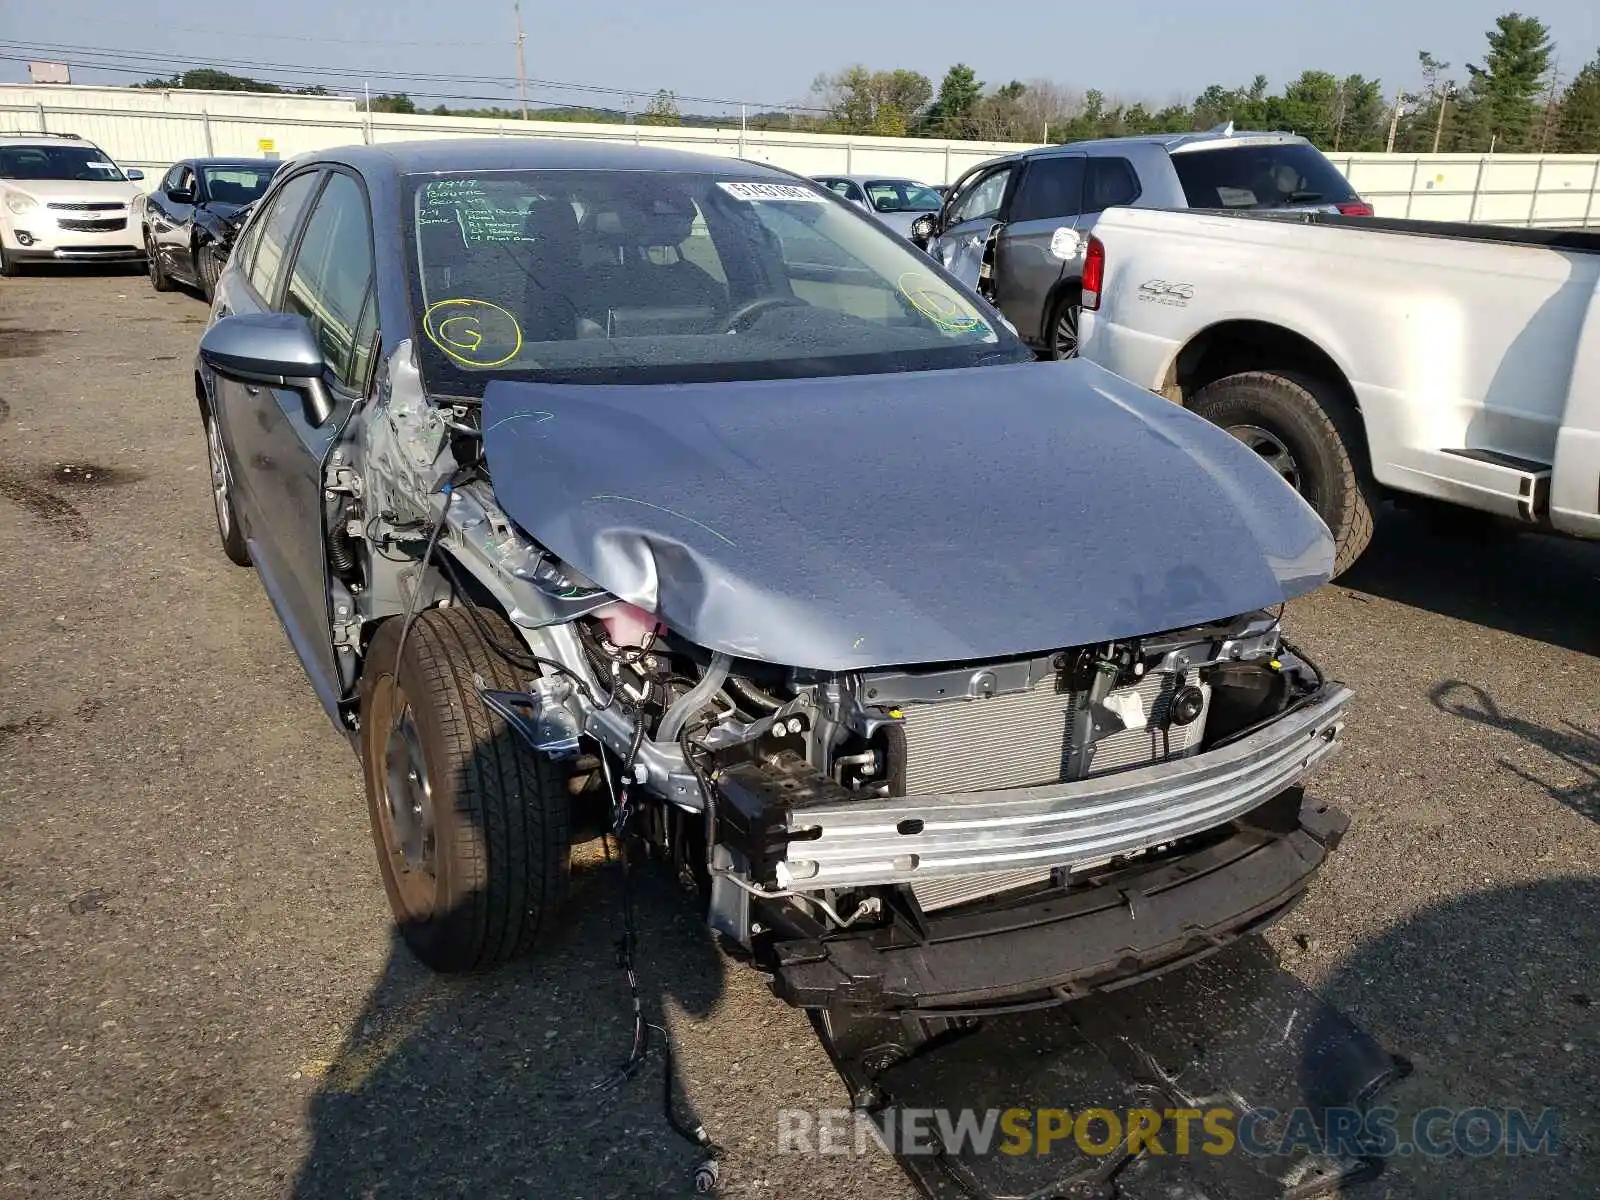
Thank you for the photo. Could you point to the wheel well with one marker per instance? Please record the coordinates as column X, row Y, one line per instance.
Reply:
column 1233, row 347
column 200, row 397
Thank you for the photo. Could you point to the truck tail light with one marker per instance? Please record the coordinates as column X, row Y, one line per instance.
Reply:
column 1094, row 273
column 1356, row 208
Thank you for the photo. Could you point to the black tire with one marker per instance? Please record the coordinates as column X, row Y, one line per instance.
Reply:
column 228, row 529
column 480, row 877
column 207, row 269
column 8, row 265
column 1067, row 311
column 1311, row 420
column 159, row 278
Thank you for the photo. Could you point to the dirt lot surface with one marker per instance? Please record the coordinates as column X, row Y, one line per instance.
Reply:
column 200, row 993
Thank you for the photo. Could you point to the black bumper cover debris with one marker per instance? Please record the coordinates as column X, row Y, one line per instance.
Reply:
column 1135, row 927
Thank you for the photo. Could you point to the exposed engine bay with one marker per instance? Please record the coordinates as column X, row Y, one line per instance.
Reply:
column 815, row 804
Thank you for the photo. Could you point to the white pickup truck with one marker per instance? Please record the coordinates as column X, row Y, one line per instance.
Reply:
column 1368, row 359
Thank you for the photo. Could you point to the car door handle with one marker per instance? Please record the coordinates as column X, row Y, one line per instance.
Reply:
column 251, row 389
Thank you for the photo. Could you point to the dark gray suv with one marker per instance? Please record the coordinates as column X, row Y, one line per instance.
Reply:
column 1015, row 227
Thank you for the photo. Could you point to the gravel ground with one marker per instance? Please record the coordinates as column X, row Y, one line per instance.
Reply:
column 200, row 993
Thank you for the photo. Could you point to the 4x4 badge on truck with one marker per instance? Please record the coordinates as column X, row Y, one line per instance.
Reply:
column 1161, row 291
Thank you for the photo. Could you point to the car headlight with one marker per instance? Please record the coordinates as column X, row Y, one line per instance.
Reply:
column 20, row 204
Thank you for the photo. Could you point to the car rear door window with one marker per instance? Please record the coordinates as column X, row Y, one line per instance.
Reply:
column 1051, row 187
column 1261, row 176
column 277, row 225
column 1108, row 183
column 332, row 275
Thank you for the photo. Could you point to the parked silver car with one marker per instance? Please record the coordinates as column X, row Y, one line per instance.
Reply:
column 583, row 474
column 1015, row 228
column 895, row 202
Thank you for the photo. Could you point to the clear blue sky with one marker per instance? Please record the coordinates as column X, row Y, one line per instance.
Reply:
column 1155, row 50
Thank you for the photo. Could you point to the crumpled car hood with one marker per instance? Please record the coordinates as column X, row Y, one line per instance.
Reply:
column 885, row 520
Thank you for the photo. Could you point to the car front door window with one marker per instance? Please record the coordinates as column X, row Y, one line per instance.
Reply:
column 277, row 228
column 983, row 199
column 332, row 276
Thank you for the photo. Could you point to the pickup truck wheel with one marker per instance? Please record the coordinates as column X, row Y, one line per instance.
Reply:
column 471, row 827
column 1303, row 429
column 152, row 263
column 233, row 543
column 1062, row 338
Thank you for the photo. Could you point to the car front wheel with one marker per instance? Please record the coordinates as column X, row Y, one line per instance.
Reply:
column 152, row 264
column 233, row 543
column 472, row 828
column 208, row 268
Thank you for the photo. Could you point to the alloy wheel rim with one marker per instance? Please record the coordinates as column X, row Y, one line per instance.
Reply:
column 1067, row 332
column 1270, row 448
column 219, row 477
column 150, row 260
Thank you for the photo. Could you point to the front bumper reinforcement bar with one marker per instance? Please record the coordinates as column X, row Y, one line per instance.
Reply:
column 903, row 840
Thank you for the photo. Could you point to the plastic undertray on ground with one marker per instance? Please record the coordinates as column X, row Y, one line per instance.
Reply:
column 1234, row 1031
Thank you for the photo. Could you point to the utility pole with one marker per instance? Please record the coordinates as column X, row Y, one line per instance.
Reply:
column 1444, row 99
column 522, row 69
column 1394, row 121
column 1549, row 105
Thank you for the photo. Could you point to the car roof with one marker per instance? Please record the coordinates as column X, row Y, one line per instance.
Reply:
column 1181, row 143
column 881, row 177
column 235, row 162
column 535, row 154
column 44, row 139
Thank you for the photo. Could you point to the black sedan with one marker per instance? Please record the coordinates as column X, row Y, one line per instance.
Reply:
column 191, row 217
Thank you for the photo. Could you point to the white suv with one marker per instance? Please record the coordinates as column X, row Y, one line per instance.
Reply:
column 62, row 199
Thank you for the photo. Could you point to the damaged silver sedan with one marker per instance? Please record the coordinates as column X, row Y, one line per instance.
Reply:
column 598, row 484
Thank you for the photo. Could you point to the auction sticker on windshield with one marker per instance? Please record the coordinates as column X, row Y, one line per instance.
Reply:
column 787, row 192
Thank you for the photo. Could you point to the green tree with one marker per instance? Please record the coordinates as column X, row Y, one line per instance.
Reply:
column 392, row 102
column 1509, row 81
column 859, row 100
column 1578, row 127
column 662, row 110
column 1361, row 117
column 1307, row 107
column 959, row 94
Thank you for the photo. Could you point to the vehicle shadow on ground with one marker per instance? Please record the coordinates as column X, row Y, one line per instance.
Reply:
column 1532, row 585
column 1491, row 997
column 1574, row 745
column 485, row 1086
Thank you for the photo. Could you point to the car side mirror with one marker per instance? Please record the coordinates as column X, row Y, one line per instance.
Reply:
column 134, row 174
column 180, row 195
column 277, row 349
column 922, row 229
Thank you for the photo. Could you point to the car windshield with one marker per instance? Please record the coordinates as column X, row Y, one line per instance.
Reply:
column 236, row 184
column 1261, row 176
column 79, row 163
column 901, row 196
column 664, row 277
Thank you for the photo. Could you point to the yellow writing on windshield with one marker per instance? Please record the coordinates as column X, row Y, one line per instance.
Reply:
column 475, row 333
column 938, row 303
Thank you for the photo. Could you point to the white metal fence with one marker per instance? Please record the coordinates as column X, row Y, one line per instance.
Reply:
column 151, row 129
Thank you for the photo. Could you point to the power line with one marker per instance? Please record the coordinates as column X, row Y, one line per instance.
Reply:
column 548, row 101
column 152, row 60
column 243, row 35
